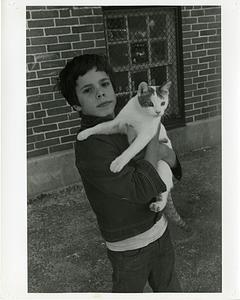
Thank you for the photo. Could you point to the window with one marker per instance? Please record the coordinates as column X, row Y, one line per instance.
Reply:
column 142, row 46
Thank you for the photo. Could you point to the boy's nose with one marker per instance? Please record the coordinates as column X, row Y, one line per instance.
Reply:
column 100, row 94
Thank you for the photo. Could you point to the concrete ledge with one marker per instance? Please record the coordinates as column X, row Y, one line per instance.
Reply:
column 47, row 173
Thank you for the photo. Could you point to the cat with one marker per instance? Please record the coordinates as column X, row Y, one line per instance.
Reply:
column 140, row 119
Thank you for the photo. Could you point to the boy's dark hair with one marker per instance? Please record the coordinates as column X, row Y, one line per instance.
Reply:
column 79, row 66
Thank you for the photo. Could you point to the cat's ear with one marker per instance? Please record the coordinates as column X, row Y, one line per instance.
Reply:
column 166, row 86
column 142, row 88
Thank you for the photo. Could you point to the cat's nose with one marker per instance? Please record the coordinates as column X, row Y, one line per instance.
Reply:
column 158, row 112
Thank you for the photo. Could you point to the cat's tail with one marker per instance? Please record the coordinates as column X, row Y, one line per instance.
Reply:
column 173, row 216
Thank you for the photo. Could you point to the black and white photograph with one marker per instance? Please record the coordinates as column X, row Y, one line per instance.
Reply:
column 125, row 186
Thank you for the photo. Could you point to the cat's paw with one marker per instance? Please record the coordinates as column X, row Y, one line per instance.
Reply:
column 157, row 206
column 117, row 165
column 83, row 135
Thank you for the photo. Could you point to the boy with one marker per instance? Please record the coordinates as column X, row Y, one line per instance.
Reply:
column 137, row 239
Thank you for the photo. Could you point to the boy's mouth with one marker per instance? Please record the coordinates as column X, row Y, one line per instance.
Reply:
column 103, row 104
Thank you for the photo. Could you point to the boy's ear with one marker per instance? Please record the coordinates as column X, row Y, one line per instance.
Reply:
column 77, row 107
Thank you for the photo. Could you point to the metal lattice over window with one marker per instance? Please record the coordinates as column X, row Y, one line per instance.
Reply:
column 142, row 46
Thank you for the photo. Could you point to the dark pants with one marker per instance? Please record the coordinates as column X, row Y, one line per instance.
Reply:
column 153, row 263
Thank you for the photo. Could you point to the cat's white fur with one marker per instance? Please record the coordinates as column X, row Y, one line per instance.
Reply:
column 140, row 124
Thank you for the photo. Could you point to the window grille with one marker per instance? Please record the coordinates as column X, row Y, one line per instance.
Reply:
column 142, row 46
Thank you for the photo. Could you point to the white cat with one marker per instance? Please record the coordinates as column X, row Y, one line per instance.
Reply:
column 140, row 119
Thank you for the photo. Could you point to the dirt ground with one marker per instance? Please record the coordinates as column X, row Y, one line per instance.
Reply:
column 66, row 252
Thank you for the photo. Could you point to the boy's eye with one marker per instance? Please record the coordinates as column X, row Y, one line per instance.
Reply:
column 86, row 91
column 105, row 83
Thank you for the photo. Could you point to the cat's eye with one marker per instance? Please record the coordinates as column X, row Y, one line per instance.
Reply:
column 163, row 103
column 150, row 104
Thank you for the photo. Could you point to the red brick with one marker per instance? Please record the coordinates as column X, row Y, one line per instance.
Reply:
column 191, row 61
column 100, row 51
column 213, row 83
column 189, row 20
column 47, row 143
column 101, row 43
column 190, row 34
column 199, row 53
column 200, row 40
column 48, row 73
column 214, row 25
column 33, row 107
column 57, row 31
column 41, row 23
column 80, row 45
column 35, row 138
column 69, row 124
column 192, row 112
column 33, row 91
column 33, row 67
column 206, row 72
column 61, row 147
column 187, row 42
column 206, row 59
column 70, row 138
column 214, row 77
column 92, row 36
column 212, row 45
column 188, row 107
column 189, row 48
column 55, row 119
column 198, row 12
column 59, row 47
column 40, row 98
column 91, row 20
column 38, row 82
column 187, row 81
column 209, row 109
column 185, row 14
column 35, row 153
column 199, row 67
column 81, row 11
column 214, row 89
column 193, row 99
column 191, row 87
column 83, row 28
column 215, row 38
column 30, row 58
column 210, row 96
column 47, row 88
column 34, row 7
column 201, row 117
column 214, row 51
column 186, row 55
column 35, row 32
column 47, row 56
column 53, row 64
column 44, row 40
column 207, row 32
column 40, row 114
column 199, row 79
column 199, row 26
column 58, row 110
column 69, row 38
column 199, row 92
column 189, row 119
column 210, row 19
column 98, row 27
column 29, row 131
column 97, row 11
column 53, row 104
column 30, row 147
column 34, row 123
column 44, row 14
column 215, row 101
column 74, row 130
column 188, row 94
column 214, row 113
column 71, row 54
column 200, row 104
column 31, row 75
column 36, row 49
column 66, row 21
column 57, row 133
column 213, row 11
column 190, row 74
column 30, row 115
column 45, row 128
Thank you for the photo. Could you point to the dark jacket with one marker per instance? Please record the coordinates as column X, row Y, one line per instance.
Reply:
column 119, row 200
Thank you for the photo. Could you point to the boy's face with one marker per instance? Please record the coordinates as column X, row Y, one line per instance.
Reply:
column 95, row 94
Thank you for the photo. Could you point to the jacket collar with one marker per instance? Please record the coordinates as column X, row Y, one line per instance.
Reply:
column 90, row 121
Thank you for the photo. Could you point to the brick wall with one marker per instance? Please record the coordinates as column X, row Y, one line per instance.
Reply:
column 202, row 61
column 55, row 35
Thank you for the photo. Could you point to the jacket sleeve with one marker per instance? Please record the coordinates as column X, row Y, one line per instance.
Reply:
column 177, row 170
column 138, row 181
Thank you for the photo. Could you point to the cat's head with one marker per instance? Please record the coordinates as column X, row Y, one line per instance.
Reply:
column 154, row 99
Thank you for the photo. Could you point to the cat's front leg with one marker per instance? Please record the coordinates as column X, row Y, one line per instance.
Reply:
column 109, row 127
column 138, row 144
